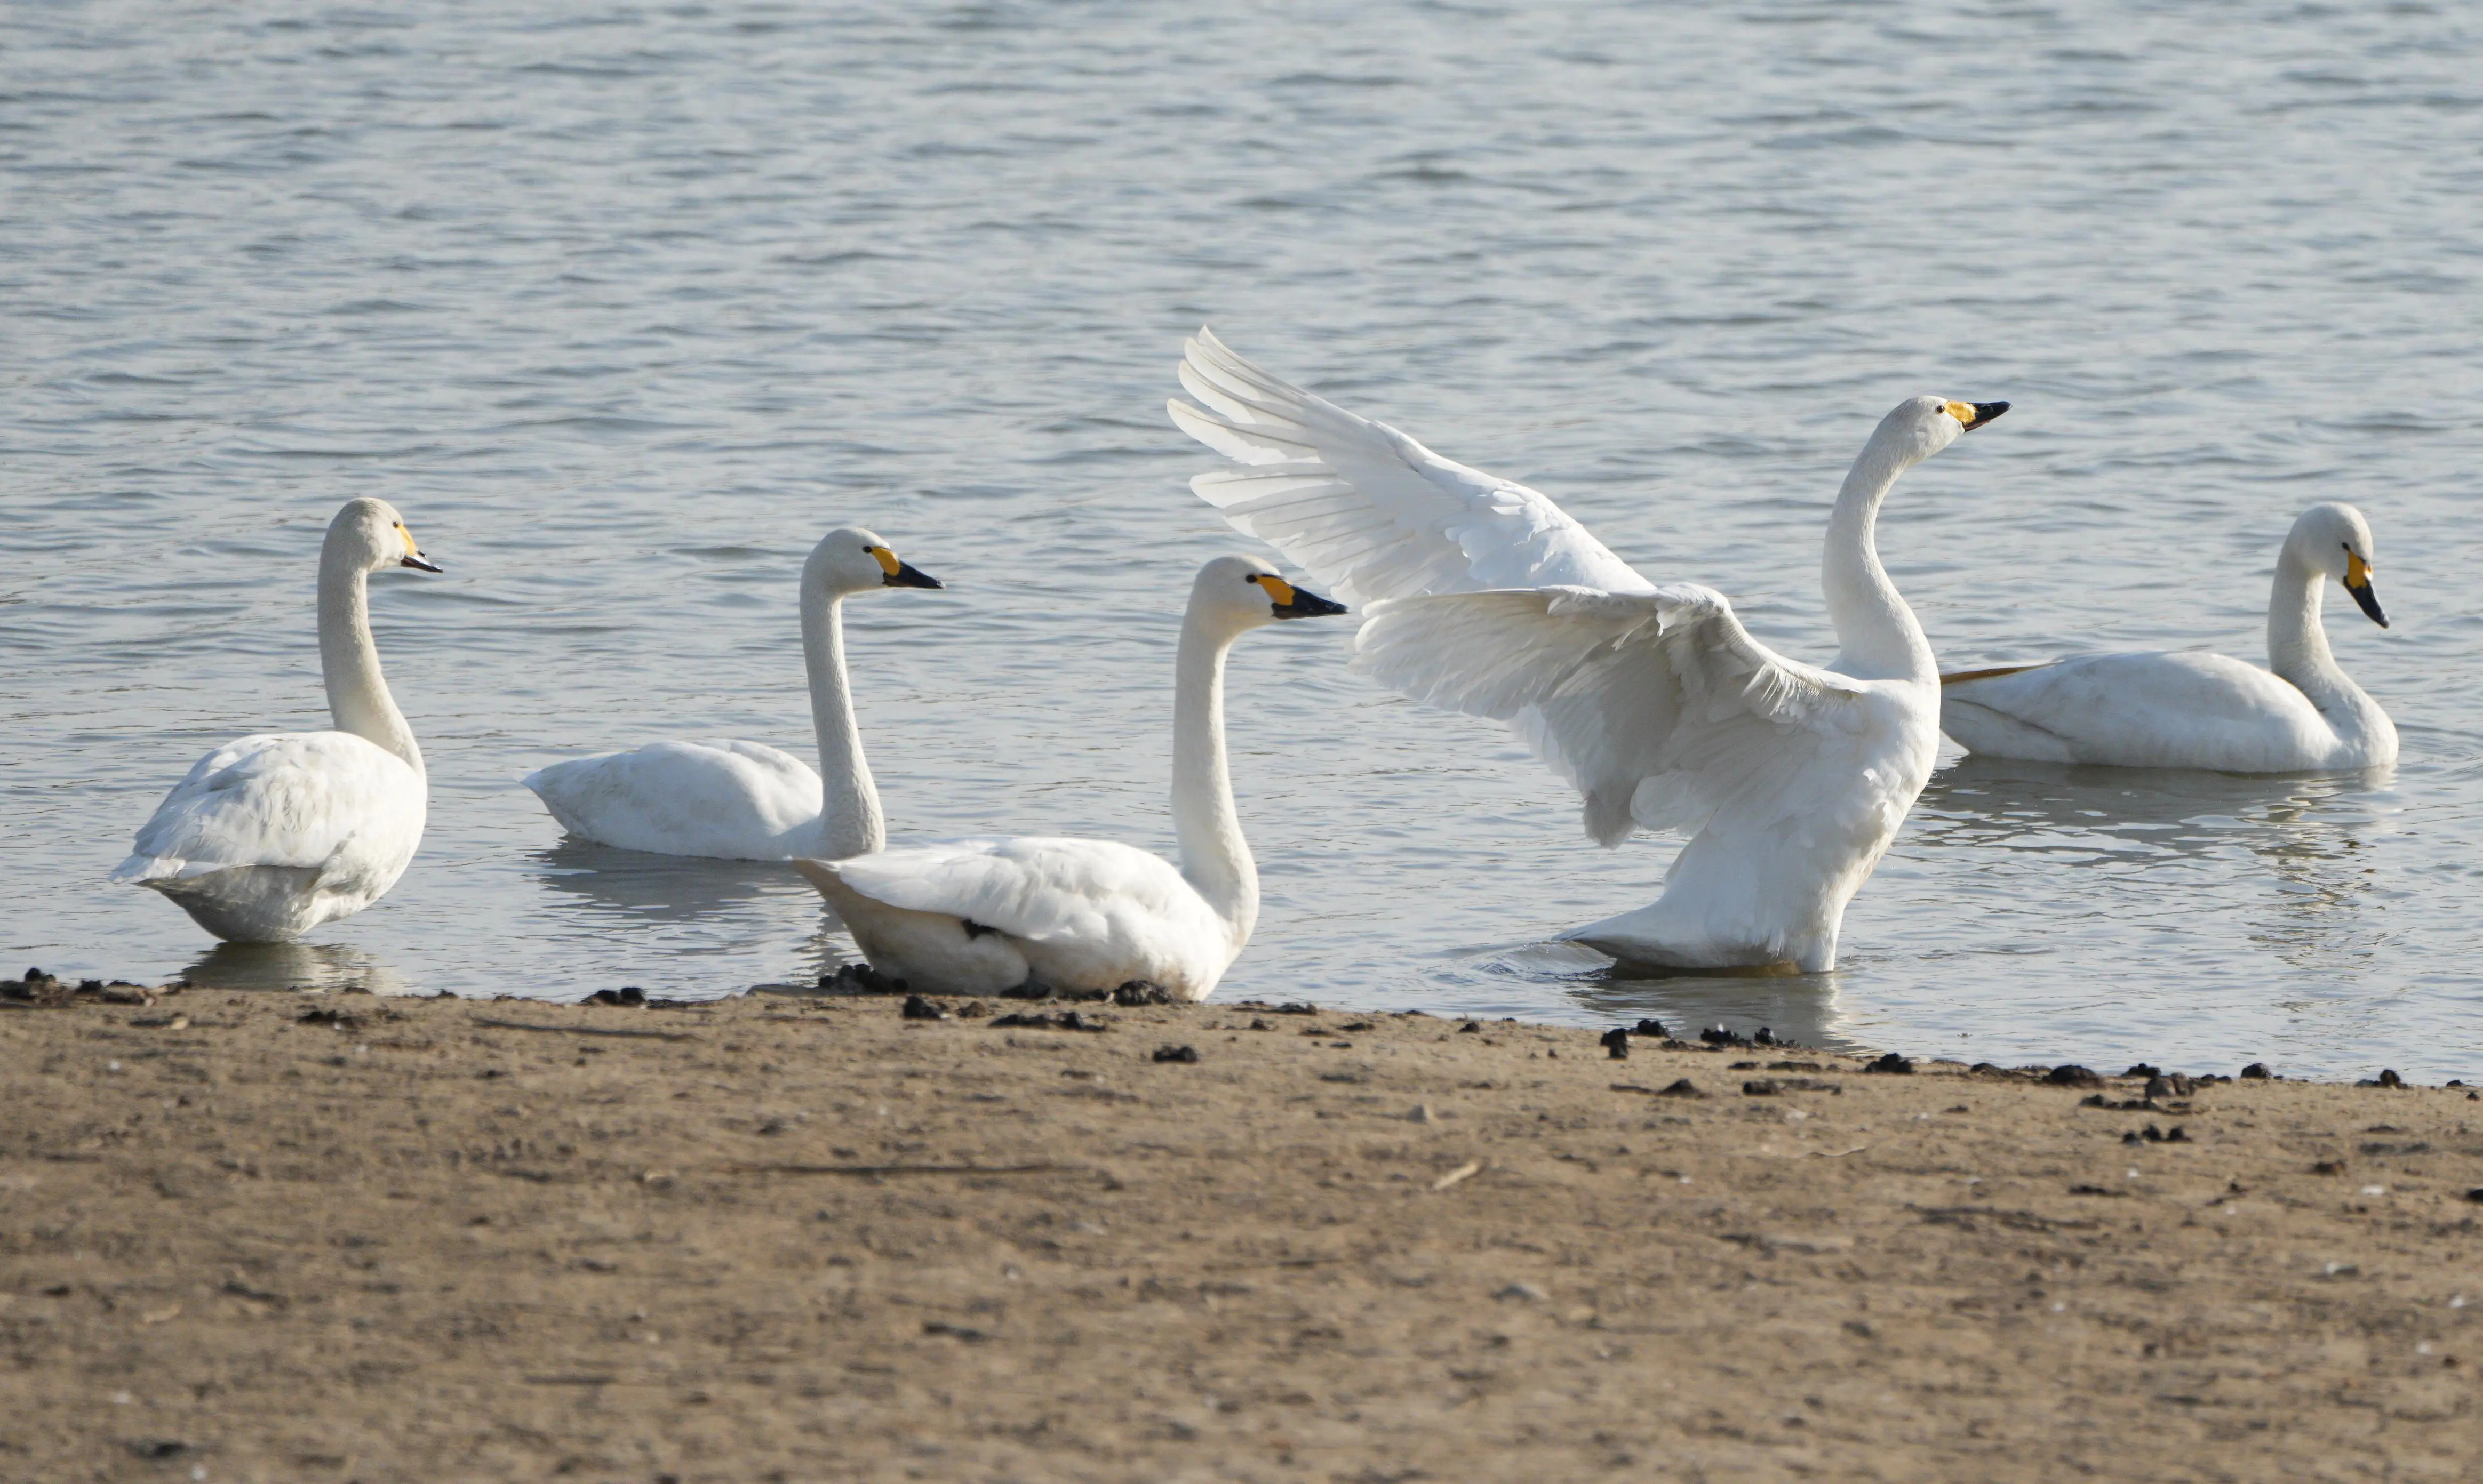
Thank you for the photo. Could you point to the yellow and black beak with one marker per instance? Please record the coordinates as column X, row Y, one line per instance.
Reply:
column 1974, row 414
column 1292, row 602
column 414, row 556
column 902, row 574
column 2358, row 581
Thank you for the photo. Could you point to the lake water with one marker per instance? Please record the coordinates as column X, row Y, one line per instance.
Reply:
column 623, row 305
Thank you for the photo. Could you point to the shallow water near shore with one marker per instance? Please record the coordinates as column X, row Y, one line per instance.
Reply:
column 623, row 307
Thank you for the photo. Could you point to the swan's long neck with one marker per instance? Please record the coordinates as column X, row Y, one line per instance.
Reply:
column 850, row 818
column 349, row 661
column 2297, row 649
column 1215, row 859
column 1876, row 631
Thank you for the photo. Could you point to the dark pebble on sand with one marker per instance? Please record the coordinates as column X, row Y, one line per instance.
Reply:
column 1615, row 1044
column 1760, row 1087
column 2143, row 1070
column 916, row 1008
column 1684, row 1088
column 1176, row 1054
column 2256, row 1072
column 860, row 979
column 340, row 1020
column 1470, row 1028
column 1297, row 1007
column 2386, row 1079
column 2329, row 1167
column 2072, row 1075
column 627, row 994
column 1654, row 1028
column 1892, row 1063
column 1718, row 1035
column 1140, row 992
column 2476, row 1195
column 2152, row 1134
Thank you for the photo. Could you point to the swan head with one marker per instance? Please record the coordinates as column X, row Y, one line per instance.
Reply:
column 2335, row 538
column 1236, row 593
column 851, row 560
column 1920, row 427
column 370, row 534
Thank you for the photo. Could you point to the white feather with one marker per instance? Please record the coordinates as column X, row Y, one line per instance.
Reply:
column 1652, row 701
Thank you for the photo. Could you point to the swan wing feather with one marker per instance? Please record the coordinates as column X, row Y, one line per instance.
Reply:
column 2181, row 708
column 1040, row 888
column 721, row 798
column 1367, row 511
column 279, row 799
column 1657, row 708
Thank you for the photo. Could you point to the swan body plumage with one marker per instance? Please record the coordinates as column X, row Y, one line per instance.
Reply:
column 270, row 836
column 1650, row 698
column 978, row 916
column 746, row 800
column 2195, row 709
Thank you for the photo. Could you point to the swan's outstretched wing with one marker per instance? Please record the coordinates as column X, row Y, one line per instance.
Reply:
column 1365, row 510
column 291, row 799
column 1657, row 706
column 1040, row 888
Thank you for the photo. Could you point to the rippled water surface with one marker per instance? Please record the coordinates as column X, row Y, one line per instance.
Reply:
column 623, row 307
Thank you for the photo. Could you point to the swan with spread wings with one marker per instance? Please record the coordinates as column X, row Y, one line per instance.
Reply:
column 1481, row 595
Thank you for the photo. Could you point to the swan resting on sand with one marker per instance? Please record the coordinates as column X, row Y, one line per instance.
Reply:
column 2193, row 710
column 746, row 800
column 273, row 834
column 978, row 916
column 1651, row 699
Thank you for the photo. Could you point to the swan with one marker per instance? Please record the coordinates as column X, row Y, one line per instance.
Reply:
column 2192, row 709
column 746, row 800
column 1651, row 699
column 273, row 834
column 981, row 915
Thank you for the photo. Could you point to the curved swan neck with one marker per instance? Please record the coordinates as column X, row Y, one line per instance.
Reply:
column 1876, row 633
column 2297, row 648
column 1214, row 858
column 850, row 818
column 349, row 661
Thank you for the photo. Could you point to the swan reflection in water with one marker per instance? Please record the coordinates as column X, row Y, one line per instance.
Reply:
column 664, row 889
column 1796, row 1007
column 2170, row 836
column 282, row 967
column 715, row 909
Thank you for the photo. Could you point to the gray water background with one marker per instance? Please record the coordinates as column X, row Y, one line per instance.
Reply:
column 623, row 305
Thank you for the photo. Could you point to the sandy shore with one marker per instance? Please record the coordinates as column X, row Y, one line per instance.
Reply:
column 293, row 1236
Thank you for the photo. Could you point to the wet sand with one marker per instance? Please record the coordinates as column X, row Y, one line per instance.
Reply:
column 330, row 1236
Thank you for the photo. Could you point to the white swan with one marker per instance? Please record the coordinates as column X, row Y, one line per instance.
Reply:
column 2192, row 709
column 979, row 916
column 271, row 836
column 746, row 800
column 1652, row 701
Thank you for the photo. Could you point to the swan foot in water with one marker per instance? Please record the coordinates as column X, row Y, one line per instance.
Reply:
column 1654, row 943
column 1629, row 968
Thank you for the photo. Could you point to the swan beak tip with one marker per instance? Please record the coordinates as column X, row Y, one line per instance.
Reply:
column 2369, row 602
column 1984, row 412
column 420, row 563
column 1307, row 604
column 909, row 576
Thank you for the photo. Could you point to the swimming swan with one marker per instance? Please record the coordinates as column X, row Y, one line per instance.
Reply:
column 979, row 916
column 746, row 800
column 1652, row 701
column 271, row 836
column 2192, row 709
